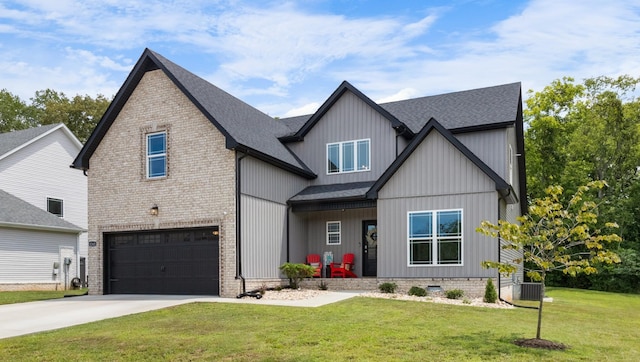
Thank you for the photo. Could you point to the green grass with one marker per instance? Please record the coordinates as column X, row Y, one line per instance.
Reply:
column 30, row 296
column 596, row 326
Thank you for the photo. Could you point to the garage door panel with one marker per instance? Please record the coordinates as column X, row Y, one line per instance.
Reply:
column 163, row 262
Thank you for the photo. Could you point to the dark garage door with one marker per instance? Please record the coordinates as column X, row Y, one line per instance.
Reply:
column 181, row 261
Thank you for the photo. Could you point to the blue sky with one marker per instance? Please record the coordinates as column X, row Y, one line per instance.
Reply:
column 285, row 58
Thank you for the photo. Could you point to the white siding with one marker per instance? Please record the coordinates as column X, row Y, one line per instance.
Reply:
column 27, row 256
column 41, row 170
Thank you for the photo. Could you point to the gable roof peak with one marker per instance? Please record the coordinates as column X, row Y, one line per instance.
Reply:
column 334, row 97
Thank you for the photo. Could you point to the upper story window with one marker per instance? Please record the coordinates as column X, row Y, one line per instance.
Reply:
column 435, row 237
column 54, row 206
column 349, row 156
column 510, row 156
column 157, row 155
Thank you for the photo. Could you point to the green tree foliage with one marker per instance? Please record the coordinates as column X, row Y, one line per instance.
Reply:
column 14, row 113
column 556, row 235
column 577, row 133
column 80, row 114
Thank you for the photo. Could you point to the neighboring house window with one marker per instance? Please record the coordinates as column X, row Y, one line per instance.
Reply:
column 54, row 206
column 349, row 156
column 435, row 237
column 333, row 232
column 157, row 155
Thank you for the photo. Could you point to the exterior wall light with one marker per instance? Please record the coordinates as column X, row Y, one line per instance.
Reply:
column 154, row 210
column 216, row 232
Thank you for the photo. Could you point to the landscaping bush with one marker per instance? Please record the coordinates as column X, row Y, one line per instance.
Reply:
column 388, row 287
column 490, row 294
column 454, row 294
column 418, row 292
column 297, row 272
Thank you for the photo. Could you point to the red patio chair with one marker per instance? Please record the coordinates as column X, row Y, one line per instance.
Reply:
column 315, row 261
column 345, row 268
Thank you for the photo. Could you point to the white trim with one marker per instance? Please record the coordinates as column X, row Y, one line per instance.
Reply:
column 165, row 154
column 355, row 156
column 434, row 238
column 65, row 130
column 339, row 232
column 510, row 164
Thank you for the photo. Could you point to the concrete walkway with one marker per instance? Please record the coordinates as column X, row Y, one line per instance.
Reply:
column 25, row 318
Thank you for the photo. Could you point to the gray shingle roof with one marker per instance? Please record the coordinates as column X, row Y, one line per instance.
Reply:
column 245, row 128
column 246, row 125
column 12, row 140
column 480, row 107
column 333, row 192
column 15, row 212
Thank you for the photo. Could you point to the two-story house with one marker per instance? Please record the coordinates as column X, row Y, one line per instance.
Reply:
column 43, row 209
column 192, row 191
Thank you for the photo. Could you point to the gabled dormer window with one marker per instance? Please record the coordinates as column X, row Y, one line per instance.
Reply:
column 156, row 155
column 349, row 156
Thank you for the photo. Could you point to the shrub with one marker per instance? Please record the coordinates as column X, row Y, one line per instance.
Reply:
column 388, row 287
column 323, row 285
column 297, row 272
column 418, row 292
column 466, row 301
column 490, row 294
column 454, row 293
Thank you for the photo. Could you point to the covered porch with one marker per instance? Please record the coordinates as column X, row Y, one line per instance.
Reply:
column 334, row 220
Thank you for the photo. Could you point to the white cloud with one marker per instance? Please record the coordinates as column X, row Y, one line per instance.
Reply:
column 309, row 108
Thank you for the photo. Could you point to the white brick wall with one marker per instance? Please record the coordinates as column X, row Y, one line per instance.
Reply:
column 198, row 191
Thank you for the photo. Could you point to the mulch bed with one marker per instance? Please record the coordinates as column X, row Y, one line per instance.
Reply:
column 539, row 343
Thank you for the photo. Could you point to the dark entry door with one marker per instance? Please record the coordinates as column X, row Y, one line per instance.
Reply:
column 163, row 262
column 369, row 248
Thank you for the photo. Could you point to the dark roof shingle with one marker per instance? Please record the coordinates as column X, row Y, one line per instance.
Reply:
column 15, row 212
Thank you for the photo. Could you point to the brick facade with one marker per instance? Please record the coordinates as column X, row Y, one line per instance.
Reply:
column 199, row 189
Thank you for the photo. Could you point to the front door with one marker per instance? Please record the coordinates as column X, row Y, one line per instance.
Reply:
column 369, row 248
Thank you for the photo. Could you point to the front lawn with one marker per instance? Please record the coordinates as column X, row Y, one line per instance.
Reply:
column 30, row 296
column 595, row 326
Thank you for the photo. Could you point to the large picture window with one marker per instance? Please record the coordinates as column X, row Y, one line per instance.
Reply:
column 157, row 155
column 349, row 156
column 435, row 237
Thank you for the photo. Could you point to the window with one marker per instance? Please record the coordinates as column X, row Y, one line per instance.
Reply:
column 435, row 237
column 350, row 156
column 333, row 232
column 54, row 206
column 157, row 155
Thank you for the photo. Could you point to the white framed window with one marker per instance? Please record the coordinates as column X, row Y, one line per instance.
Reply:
column 333, row 232
column 55, row 206
column 434, row 237
column 349, row 156
column 156, row 155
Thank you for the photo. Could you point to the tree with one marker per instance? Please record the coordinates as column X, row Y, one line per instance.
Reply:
column 81, row 113
column 14, row 113
column 556, row 236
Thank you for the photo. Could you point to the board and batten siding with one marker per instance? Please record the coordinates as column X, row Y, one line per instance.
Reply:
column 265, row 191
column 27, row 256
column 436, row 176
column 349, row 119
column 350, row 233
column 41, row 170
column 490, row 146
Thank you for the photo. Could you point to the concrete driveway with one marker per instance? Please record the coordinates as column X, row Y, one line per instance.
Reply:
column 25, row 318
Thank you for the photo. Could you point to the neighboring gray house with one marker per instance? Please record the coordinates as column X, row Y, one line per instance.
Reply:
column 192, row 191
column 43, row 209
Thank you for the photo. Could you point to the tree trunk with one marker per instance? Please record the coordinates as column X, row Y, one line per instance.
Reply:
column 540, row 306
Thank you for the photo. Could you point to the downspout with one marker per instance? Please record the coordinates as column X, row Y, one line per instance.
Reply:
column 288, row 211
column 499, row 253
column 238, row 223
